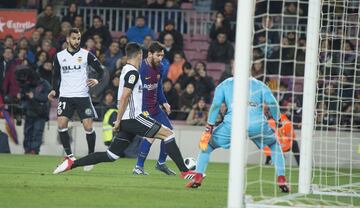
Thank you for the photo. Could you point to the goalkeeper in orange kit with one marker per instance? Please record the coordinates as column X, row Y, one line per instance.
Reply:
column 286, row 137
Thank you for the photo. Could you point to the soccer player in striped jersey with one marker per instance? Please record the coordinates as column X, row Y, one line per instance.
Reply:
column 131, row 121
column 151, row 72
column 71, row 84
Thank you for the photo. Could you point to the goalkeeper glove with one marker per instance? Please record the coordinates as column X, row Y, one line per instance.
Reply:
column 205, row 137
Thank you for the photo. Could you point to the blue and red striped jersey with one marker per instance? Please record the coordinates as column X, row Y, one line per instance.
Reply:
column 153, row 94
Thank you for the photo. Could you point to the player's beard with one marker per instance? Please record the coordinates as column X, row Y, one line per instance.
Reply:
column 154, row 64
column 73, row 47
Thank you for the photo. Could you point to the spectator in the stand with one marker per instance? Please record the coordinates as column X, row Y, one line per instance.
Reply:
column 177, row 36
column 5, row 63
column 88, row 3
column 228, row 71
column 199, row 114
column 291, row 36
column 137, row 32
column 41, row 57
column 10, row 85
column 35, row 42
column 45, row 71
column 270, row 51
column 8, row 43
column 48, row 35
column 172, row 97
column 47, row 47
column 22, row 57
column 33, row 97
column 107, row 103
column 257, row 54
column 41, row 30
column 267, row 25
column 229, row 11
column 300, row 57
column 64, row 46
column 175, row 69
column 257, row 70
column 123, row 41
column 292, row 12
column 220, row 50
column 221, row 25
column 48, row 20
column 171, row 4
column 169, row 13
column 349, row 52
column 99, row 46
column 99, row 28
column 90, row 45
column 146, row 44
column 283, row 94
column 186, row 101
column 169, row 47
column 65, row 28
column 23, row 43
column 120, row 64
column 185, row 78
column 204, row 84
column 111, row 56
column 158, row 4
column 114, row 85
column 71, row 13
column 79, row 23
column 287, row 57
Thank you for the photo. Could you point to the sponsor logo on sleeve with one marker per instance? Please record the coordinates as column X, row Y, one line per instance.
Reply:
column 132, row 79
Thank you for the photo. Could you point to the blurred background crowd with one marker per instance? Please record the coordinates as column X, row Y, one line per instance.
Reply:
column 198, row 36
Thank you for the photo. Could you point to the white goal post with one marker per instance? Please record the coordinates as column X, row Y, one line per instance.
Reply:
column 307, row 125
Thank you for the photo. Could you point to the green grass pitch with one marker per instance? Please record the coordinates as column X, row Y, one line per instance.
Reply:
column 27, row 181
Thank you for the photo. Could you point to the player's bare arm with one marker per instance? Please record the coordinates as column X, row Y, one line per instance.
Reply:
column 167, row 108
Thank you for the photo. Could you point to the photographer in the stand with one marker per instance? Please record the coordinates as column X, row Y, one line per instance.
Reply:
column 35, row 104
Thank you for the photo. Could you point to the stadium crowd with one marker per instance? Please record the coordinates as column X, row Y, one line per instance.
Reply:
column 189, row 85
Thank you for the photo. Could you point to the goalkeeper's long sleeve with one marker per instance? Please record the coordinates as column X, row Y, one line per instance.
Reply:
column 271, row 102
column 216, row 104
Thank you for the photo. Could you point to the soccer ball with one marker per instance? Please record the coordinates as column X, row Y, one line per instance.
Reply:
column 190, row 163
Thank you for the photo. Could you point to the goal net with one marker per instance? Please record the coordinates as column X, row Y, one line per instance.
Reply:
column 336, row 166
column 279, row 50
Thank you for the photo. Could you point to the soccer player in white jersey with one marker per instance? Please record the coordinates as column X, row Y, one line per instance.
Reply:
column 71, row 85
column 131, row 121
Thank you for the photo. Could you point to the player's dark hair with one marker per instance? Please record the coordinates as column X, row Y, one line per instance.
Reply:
column 132, row 49
column 155, row 47
column 73, row 30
